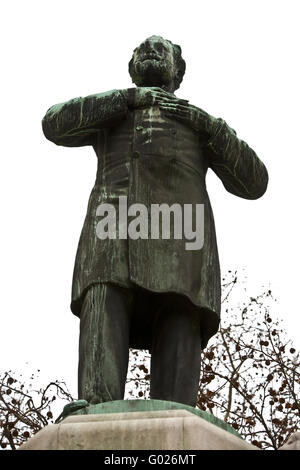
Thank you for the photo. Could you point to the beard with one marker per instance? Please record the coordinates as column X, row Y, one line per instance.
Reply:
column 152, row 73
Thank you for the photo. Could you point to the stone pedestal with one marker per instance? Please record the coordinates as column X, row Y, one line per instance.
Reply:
column 293, row 442
column 160, row 429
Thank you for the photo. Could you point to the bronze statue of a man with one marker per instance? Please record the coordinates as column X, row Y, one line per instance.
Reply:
column 143, row 292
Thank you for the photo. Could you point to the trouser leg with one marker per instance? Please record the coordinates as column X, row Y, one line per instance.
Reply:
column 104, row 343
column 176, row 353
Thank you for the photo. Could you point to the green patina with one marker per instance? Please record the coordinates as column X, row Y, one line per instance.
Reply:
column 127, row 406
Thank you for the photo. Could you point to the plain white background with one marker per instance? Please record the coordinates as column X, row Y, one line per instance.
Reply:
column 242, row 65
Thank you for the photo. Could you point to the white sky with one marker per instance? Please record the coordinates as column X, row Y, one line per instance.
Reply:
column 242, row 65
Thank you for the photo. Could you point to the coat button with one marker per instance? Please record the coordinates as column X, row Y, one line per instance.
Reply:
column 136, row 154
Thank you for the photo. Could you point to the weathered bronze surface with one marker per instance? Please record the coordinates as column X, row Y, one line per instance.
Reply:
column 153, row 148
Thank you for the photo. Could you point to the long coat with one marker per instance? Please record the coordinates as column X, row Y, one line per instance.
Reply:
column 152, row 159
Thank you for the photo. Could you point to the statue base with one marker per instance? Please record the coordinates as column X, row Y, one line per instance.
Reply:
column 138, row 425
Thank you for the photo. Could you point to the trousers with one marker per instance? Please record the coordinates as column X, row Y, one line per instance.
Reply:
column 111, row 320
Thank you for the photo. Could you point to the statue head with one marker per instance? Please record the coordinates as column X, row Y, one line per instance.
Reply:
column 157, row 62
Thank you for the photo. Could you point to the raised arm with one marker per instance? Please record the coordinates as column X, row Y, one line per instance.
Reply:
column 236, row 164
column 74, row 123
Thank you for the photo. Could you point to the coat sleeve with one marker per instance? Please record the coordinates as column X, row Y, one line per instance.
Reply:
column 74, row 123
column 236, row 164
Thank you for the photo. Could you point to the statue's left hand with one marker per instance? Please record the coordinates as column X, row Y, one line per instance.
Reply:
column 140, row 97
column 192, row 116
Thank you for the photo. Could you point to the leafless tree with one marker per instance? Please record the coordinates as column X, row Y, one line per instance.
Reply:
column 23, row 410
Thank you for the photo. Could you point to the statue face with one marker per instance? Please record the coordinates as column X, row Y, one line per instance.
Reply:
column 153, row 64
